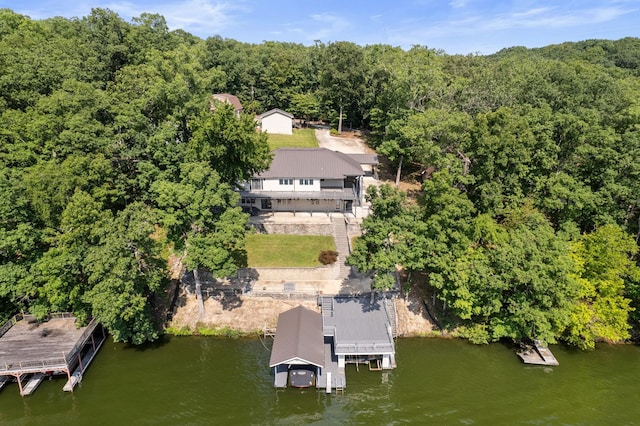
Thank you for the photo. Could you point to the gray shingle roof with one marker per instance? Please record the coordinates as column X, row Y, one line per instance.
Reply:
column 318, row 163
column 232, row 99
column 274, row 111
column 298, row 338
column 365, row 158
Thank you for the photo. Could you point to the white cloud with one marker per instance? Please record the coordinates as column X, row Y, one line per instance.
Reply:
column 195, row 16
column 458, row 4
column 331, row 26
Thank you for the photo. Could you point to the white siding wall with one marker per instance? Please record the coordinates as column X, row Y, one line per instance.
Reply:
column 278, row 124
column 274, row 185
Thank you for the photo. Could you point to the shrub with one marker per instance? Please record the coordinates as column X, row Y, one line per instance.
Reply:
column 333, row 132
column 327, row 257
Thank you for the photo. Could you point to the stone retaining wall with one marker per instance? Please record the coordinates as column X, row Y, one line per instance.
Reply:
column 294, row 228
column 328, row 272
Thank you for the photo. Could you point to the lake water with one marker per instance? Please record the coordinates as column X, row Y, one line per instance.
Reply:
column 200, row 380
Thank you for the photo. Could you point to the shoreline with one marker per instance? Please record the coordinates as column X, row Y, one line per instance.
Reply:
column 249, row 315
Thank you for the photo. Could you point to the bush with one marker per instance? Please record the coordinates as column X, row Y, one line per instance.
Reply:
column 327, row 257
column 333, row 132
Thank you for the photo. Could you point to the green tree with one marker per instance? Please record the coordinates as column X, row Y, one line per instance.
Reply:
column 388, row 237
column 604, row 262
column 342, row 80
column 202, row 216
column 229, row 144
column 512, row 280
column 125, row 271
column 305, row 105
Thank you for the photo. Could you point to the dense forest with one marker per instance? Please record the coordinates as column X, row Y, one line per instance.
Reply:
column 112, row 158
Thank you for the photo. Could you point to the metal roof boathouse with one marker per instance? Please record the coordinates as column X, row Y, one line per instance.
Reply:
column 318, row 345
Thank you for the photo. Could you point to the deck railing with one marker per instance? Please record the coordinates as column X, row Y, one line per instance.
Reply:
column 10, row 323
column 36, row 365
column 81, row 340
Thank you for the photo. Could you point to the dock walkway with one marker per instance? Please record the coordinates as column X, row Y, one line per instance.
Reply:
column 76, row 377
column 32, row 384
column 338, row 377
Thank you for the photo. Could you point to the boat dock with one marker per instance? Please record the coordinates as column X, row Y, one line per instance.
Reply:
column 538, row 354
column 32, row 350
column 332, row 376
column 32, row 384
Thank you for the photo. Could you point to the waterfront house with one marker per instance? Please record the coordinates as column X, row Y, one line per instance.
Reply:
column 308, row 180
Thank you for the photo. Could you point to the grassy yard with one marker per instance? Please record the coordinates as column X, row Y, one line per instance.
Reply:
column 286, row 251
column 301, row 138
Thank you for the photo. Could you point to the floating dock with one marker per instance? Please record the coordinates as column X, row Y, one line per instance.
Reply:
column 33, row 350
column 32, row 384
column 538, row 354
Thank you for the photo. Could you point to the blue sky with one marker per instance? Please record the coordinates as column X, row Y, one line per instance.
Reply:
column 455, row 26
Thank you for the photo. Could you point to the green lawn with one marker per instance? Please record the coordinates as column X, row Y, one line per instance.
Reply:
column 286, row 251
column 301, row 138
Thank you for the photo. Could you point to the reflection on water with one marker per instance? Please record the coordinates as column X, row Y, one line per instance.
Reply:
column 198, row 380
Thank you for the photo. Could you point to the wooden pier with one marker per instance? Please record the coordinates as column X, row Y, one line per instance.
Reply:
column 32, row 350
column 538, row 354
column 332, row 376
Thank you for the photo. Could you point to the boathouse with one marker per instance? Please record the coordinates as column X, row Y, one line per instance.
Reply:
column 297, row 345
column 32, row 350
column 362, row 330
column 347, row 330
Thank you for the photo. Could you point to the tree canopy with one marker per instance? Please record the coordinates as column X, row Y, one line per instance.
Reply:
column 526, row 224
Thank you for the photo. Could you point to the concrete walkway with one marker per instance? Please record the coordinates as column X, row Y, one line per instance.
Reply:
column 342, row 245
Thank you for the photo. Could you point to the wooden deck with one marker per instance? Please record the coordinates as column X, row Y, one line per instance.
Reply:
column 538, row 354
column 338, row 377
column 31, row 347
column 34, row 350
column 90, row 354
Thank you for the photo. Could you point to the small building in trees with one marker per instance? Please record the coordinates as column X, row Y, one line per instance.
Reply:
column 276, row 121
column 229, row 99
column 308, row 180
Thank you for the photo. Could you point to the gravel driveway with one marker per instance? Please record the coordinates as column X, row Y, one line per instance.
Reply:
column 346, row 145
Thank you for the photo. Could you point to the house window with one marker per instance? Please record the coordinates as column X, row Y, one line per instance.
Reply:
column 315, row 201
column 306, row 181
column 286, row 181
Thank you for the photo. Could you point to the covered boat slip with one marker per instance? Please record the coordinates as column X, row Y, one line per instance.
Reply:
column 299, row 344
column 362, row 329
column 348, row 330
column 31, row 350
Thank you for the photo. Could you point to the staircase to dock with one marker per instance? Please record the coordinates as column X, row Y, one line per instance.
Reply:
column 342, row 245
column 392, row 316
column 327, row 306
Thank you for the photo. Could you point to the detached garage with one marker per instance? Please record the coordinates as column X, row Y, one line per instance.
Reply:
column 276, row 121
